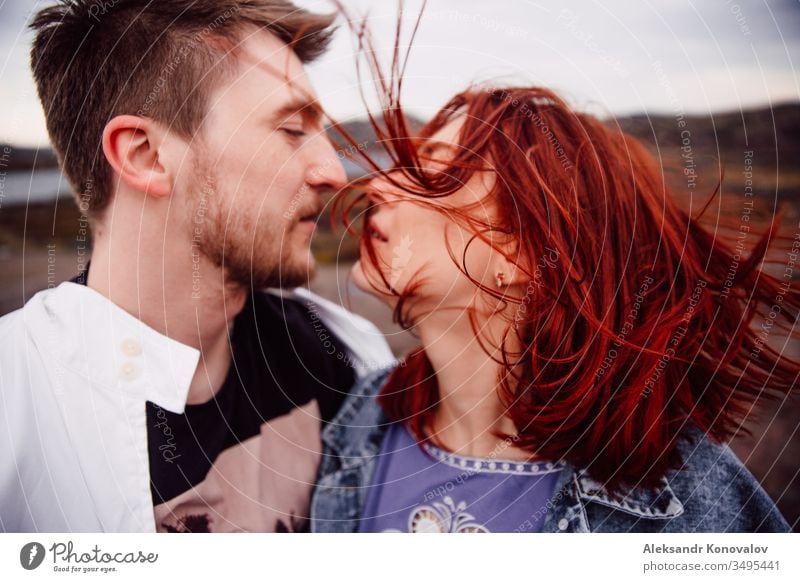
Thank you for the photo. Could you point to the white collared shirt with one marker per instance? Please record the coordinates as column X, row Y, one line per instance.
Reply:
column 75, row 373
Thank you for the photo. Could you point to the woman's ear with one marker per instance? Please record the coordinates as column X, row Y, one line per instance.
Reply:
column 510, row 267
column 131, row 145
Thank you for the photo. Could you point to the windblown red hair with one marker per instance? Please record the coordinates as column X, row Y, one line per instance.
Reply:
column 644, row 324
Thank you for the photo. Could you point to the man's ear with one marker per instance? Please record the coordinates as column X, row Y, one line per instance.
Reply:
column 131, row 145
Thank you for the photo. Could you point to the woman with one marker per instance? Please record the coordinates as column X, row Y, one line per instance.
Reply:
column 585, row 348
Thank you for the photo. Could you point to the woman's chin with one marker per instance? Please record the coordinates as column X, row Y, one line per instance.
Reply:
column 360, row 279
column 368, row 285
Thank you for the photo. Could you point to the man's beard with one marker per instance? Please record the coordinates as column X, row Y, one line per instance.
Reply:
column 238, row 241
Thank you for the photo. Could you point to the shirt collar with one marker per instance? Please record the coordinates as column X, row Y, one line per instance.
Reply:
column 91, row 336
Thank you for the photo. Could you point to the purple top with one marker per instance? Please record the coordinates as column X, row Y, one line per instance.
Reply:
column 443, row 492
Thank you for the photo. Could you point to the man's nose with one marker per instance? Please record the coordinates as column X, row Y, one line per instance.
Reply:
column 326, row 170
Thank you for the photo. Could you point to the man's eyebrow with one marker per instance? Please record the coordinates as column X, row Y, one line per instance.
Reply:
column 311, row 110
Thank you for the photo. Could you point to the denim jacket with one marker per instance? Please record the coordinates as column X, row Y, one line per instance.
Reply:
column 713, row 492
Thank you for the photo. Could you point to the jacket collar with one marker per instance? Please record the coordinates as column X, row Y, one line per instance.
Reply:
column 89, row 335
column 660, row 502
column 356, row 432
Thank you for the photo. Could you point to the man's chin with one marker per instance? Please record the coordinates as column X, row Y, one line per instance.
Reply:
column 289, row 274
column 304, row 275
column 276, row 281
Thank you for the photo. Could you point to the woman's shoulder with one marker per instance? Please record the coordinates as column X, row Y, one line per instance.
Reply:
column 704, row 459
column 717, row 491
column 711, row 491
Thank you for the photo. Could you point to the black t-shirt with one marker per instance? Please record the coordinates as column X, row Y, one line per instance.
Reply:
column 279, row 363
column 246, row 459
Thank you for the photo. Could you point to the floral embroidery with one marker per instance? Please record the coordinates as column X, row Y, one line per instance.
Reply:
column 442, row 517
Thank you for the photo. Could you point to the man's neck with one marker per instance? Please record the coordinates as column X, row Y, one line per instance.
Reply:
column 183, row 297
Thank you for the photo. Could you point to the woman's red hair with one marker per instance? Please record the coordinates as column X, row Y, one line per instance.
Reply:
column 640, row 321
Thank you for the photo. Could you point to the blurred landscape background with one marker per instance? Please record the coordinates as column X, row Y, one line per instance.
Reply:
column 39, row 242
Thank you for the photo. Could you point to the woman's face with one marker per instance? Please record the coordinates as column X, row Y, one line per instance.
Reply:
column 411, row 236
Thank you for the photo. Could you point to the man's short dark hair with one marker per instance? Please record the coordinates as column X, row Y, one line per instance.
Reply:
column 93, row 60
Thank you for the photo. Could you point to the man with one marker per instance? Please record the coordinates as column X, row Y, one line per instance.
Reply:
column 162, row 392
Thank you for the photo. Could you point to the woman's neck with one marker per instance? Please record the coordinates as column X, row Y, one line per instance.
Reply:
column 469, row 415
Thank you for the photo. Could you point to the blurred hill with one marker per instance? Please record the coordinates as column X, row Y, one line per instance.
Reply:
column 773, row 132
column 361, row 131
column 717, row 150
column 19, row 158
column 718, row 145
column 718, row 142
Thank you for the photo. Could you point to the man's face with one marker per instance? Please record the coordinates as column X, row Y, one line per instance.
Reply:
column 260, row 163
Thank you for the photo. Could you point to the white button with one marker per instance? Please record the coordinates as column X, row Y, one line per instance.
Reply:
column 131, row 347
column 128, row 371
column 562, row 524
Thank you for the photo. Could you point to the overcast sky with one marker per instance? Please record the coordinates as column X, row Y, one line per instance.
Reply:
column 610, row 56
